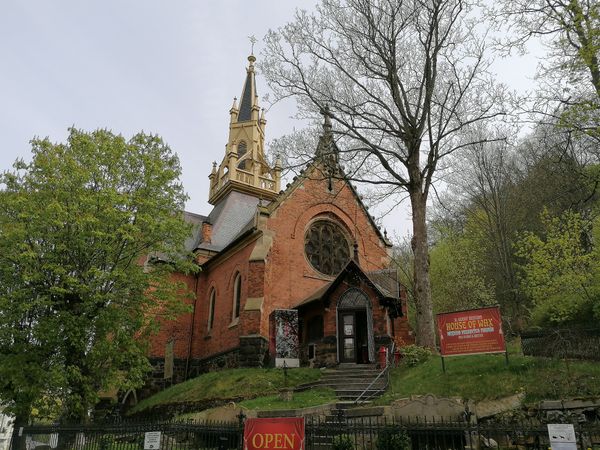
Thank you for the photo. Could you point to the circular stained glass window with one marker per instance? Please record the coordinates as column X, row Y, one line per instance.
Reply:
column 326, row 247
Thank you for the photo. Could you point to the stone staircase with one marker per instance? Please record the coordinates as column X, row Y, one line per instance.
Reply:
column 350, row 380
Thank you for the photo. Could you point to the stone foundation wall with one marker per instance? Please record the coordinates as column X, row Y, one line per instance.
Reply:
column 225, row 360
column 253, row 351
column 326, row 351
column 156, row 381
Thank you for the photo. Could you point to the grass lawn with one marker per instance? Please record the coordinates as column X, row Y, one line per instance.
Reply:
column 229, row 384
column 477, row 377
column 304, row 399
column 483, row 377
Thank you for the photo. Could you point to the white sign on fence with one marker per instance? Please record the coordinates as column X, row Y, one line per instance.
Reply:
column 53, row 440
column 562, row 436
column 152, row 440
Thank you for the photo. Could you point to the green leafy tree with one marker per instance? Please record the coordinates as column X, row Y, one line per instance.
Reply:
column 561, row 270
column 77, row 302
column 457, row 272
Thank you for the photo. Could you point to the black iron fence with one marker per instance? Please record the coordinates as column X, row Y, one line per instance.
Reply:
column 343, row 433
column 578, row 343
column 128, row 436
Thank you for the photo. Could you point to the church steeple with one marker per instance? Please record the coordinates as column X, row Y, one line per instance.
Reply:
column 327, row 151
column 244, row 167
column 249, row 99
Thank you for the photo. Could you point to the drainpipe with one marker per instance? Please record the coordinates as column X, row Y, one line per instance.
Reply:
column 192, row 323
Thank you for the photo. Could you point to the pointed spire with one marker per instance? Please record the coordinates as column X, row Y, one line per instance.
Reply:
column 244, row 167
column 327, row 151
column 233, row 112
column 326, row 119
column 249, row 99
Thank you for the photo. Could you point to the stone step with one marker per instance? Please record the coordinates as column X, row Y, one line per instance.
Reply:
column 355, row 366
column 354, row 395
column 347, row 404
column 359, row 389
column 354, row 383
column 365, row 373
column 351, row 372
column 358, row 376
column 347, row 376
column 353, row 398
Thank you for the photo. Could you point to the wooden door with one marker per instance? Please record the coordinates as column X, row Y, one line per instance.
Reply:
column 347, row 335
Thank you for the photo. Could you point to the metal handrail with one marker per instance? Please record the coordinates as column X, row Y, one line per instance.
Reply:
column 385, row 371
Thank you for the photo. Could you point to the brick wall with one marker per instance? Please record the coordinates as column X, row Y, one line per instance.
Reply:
column 176, row 330
column 290, row 277
column 225, row 332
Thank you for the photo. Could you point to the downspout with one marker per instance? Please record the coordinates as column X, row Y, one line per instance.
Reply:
column 192, row 323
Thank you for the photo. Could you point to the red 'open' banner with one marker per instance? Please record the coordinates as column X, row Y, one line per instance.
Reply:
column 471, row 331
column 286, row 433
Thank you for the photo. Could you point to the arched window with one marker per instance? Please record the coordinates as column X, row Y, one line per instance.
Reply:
column 242, row 150
column 211, row 309
column 237, row 296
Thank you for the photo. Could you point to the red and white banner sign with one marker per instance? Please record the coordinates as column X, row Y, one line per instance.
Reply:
column 472, row 331
column 286, row 433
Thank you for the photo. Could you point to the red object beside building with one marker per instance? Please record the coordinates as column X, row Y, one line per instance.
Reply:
column 276, row 433
column 471, row 332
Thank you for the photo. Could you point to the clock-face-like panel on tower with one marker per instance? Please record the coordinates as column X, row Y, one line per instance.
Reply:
column 326, row 247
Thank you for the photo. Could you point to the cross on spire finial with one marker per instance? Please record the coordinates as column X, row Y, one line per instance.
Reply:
column 252, row 40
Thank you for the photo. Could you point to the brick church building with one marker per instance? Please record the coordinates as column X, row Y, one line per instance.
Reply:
column 310, row 249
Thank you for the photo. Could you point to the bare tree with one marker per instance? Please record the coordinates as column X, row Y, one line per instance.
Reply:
column 482, row 187
column 569, row 73
column 403, row 80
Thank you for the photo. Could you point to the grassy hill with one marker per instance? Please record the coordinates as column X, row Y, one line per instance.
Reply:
column 230, row 384
column 477, row 377
column 484, row 377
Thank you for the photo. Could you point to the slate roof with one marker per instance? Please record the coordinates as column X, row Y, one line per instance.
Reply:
column 385, row 282
column 230, row 218
column 191, row 243
column 246, row 101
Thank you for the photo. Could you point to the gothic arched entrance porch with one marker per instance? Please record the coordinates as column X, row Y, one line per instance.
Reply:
column 355, row 328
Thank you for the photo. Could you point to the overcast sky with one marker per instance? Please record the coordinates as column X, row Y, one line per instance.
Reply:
column 166, row 67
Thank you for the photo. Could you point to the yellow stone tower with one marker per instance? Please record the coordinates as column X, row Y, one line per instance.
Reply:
column 244, row 167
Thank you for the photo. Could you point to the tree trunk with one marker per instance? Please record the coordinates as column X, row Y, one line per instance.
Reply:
column 422, row 288
column 18, row 442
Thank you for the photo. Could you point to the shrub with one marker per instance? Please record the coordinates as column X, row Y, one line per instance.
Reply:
column 342, row 442
column 393, row 439
column 413, row 355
